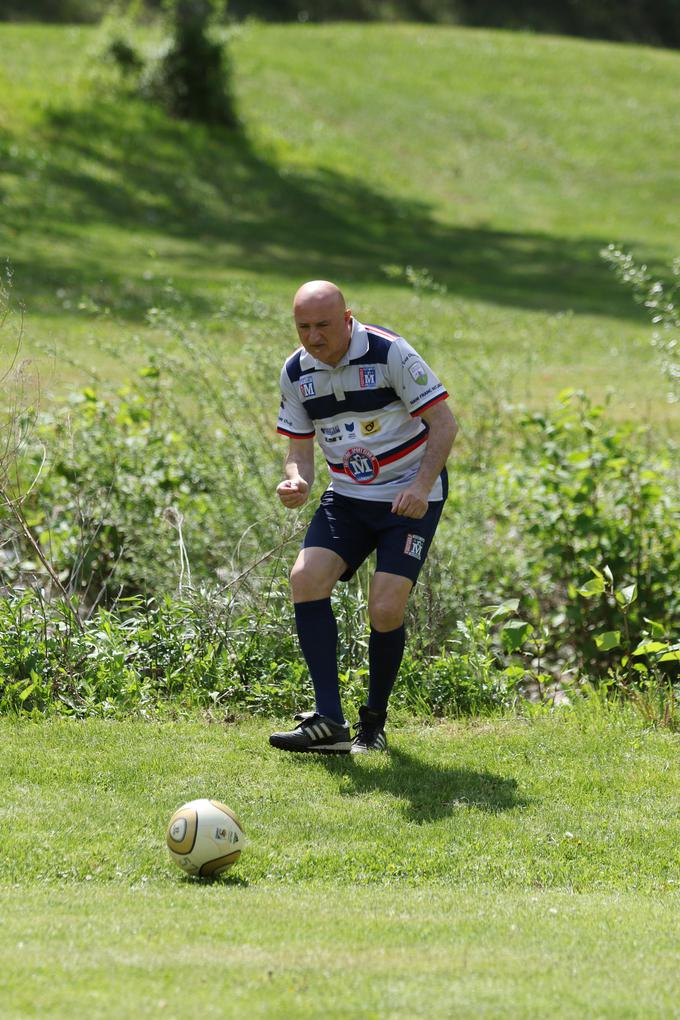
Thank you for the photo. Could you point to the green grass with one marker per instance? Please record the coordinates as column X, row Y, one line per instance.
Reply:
column 506, row 868
column 345, row 954
column 500, row 163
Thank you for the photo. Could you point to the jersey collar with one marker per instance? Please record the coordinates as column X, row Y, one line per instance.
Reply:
column 358, row 346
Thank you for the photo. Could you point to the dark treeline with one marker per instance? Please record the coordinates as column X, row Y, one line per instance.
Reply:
column 656, row 22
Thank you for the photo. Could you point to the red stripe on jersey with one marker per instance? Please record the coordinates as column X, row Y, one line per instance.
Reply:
column 295, row 435
column 430, row 403
column 387, row 458
column 386, row 334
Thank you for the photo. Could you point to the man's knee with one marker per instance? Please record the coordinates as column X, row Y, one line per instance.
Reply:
column 306, row 585
column 312, row 577
column 386, row 613
column 387, row 601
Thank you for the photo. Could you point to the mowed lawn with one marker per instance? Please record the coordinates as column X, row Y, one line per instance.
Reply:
column 509, row 867
column 459, row 185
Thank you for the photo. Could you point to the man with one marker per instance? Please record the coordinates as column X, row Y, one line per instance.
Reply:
column 378, row 413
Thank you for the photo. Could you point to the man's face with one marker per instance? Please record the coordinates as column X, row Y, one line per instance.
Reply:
column 324, row 327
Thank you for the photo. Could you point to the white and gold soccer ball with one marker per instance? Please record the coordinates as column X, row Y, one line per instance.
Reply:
column 205, row 837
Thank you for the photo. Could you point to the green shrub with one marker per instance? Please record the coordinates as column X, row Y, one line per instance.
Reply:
column 188, row 72
column 208, row 650
column 164, row 489
column 139, row 491
column 139, row 494
column 578, row 492
column 192, row 76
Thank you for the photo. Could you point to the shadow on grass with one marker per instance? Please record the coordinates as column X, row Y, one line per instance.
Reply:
column 430, row 791
column 116, row 169
column 223, row 878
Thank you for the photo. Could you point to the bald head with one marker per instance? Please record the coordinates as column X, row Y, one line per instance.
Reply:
column 323, row 322
column 319, row 291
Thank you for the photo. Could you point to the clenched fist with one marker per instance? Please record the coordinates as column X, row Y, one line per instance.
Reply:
column 410, row 503
column 293, row 492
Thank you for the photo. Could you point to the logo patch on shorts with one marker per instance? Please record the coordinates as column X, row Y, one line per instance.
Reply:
column 360, row 464
column 414, row 546
column 307, row 386
column 367, row 378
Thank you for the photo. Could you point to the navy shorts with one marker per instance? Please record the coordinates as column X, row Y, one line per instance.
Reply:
column 353, row 528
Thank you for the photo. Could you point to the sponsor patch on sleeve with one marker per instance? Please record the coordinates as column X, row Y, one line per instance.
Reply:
column 418, row 373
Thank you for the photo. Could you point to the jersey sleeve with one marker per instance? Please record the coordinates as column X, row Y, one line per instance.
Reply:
column 412, row 378
column 293, row 419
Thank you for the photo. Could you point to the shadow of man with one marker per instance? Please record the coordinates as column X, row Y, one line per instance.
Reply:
column 428, row 790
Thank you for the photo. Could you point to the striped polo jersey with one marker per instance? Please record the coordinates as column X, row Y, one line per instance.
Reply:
column 365, row 412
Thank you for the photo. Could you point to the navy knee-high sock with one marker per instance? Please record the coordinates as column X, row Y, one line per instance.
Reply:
column 385, row 652
column 318, row 634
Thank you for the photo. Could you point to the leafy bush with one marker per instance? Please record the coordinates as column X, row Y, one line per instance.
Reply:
column 171, row 477
column 219, row 652
column 139, row 492
column 580, row 491
column 188, row 73
column 192, row 76
column 112, row 501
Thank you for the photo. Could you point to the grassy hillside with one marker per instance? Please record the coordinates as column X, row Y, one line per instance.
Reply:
column 458, row 185
column 496, row 165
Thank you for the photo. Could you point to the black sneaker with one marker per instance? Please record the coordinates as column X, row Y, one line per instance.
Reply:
column 369, row 732
column 315, row 733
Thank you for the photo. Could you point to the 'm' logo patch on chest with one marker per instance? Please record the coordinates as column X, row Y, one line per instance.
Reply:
column 368, row 379
column 307, row 386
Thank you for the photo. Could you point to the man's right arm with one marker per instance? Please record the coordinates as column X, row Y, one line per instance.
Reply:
column 298, row 470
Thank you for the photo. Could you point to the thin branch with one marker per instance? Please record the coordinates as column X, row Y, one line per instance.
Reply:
column 20, row 339
column 265, row 556
column 18, row 500
column 35, row 545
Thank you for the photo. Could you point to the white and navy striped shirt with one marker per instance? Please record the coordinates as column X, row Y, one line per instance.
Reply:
column 365, row 412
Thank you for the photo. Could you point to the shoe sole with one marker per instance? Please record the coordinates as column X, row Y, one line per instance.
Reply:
column 328, row 749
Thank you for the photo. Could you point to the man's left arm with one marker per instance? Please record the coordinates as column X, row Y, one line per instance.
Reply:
column 413, row 501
